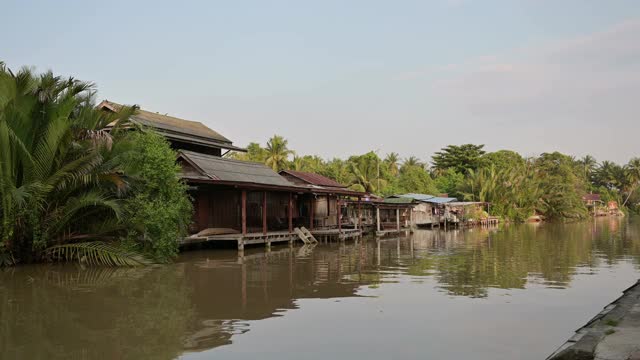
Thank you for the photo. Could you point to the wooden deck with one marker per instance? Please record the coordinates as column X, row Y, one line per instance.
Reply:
column 273, row 237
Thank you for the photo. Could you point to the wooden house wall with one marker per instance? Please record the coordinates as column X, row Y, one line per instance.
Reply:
column 216, row 208
column 423, row 214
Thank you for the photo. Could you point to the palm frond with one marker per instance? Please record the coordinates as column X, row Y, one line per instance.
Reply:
column 96, row 253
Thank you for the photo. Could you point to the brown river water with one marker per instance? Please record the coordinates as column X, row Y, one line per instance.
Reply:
column 514, row 292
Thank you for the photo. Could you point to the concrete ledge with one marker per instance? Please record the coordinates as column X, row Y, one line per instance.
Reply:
column 613, row 334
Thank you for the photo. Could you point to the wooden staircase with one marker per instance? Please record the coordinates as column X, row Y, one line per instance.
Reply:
column 305, row 235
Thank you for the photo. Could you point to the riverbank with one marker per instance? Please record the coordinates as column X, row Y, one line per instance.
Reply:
column 613, row 334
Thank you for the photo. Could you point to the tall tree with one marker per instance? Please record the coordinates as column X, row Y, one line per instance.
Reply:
column 461, row 158
column 366, row 172
column 278, row 153
column 391, row 161
column 632, row 173
column 411, row 161
column 589, row 165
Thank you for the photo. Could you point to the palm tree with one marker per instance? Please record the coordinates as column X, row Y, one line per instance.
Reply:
column 589, row 164
column 59, row 178
column 277, row 153
column 392, row 162
column 412, row 161
column 632, row 173
column 364, row 172
column 610, row 175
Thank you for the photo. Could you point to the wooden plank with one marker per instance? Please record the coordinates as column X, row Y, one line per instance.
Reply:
column 309, row 234
column 302, row 236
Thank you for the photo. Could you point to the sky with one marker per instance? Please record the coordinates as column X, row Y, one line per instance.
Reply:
column 338, row 77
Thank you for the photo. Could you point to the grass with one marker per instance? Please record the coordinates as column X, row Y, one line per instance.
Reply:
column 611, row 322
column 609, row 332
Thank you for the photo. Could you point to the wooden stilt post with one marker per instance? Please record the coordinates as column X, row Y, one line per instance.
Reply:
column 290, row 213
column 378, row 218
column 312, row 211
column 359, row 214
column 244, row 211
column 398, row 219
column 264, row 213
column 338, row 214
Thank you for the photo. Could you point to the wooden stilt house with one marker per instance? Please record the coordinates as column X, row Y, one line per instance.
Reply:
column 243, row 201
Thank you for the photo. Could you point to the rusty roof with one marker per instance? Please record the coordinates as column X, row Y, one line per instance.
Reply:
column 314, row 179
column 227, row 170
column 591, row 197
column 172, row 126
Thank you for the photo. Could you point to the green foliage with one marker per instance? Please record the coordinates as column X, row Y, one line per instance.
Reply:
column 448, row 182
column 366, row 170
column 71, row 187
column 159, row 212
column 562, row 185
column 58, row 183
column 96, row 253
column 414, row 179
column 277, row 153
column 503, row 160
column 551, row 185
column 461, row 158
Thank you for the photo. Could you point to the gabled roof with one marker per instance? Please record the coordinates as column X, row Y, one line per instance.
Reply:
column 175, row 128
column 313, row 179
column 224, row 170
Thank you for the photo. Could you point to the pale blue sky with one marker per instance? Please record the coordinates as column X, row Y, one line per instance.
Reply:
column 344, row 77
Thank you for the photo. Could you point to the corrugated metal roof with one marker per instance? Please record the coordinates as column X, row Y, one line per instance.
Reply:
column 398, row 200
column 465, row 203
column 314, row 179
column 170, row 123
column 419, row 197
column 222, row 169
column 440, row 200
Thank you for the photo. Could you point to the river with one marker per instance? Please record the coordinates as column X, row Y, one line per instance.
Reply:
column 513, row 292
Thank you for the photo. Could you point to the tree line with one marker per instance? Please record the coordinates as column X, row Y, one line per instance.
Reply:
column 551, row 184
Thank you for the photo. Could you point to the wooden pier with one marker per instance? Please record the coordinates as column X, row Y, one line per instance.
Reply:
column 271, row 237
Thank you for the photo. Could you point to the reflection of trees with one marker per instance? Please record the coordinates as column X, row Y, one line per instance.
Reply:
column 159, row 312
column 71, row 313
column 468, row 263
column 206, row 299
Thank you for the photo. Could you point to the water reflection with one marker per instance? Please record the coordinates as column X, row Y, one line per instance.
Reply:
column 209, row 298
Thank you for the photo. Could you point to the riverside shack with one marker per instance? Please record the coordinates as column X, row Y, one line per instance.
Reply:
column 241, row 201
